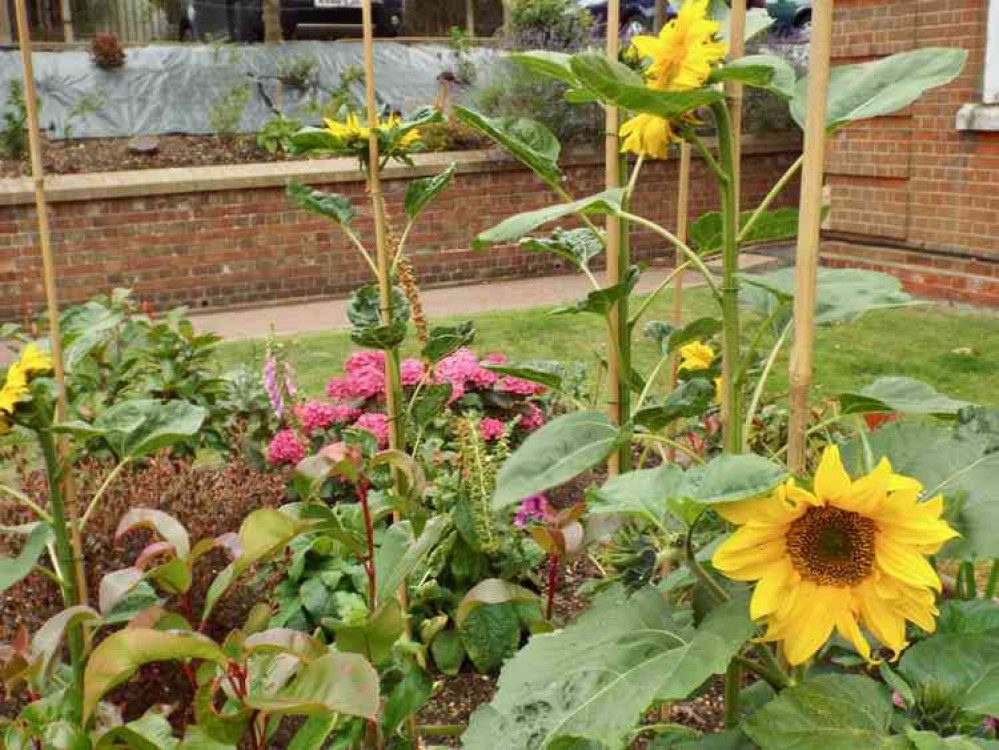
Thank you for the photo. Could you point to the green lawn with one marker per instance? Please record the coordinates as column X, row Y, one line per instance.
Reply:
column 919, row 342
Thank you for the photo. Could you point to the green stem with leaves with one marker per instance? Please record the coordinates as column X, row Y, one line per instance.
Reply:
column 623, row 333
column 67, row 562
column 731, row 333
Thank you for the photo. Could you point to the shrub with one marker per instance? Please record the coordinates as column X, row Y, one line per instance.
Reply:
column 549, row 24
column 106, row 52
column 226, row 113
column 452, row 135
column 13, row 133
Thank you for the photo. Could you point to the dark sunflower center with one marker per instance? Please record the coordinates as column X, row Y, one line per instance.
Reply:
column 832, row 547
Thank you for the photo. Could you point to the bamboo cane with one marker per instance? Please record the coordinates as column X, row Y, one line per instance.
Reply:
column 62, row 495
column 6, row 34
column 809, row 231
column 682, row 220
column 658, row 15
column 66, row 10
column 733, row 89
column 470, row 17
column 612, row 179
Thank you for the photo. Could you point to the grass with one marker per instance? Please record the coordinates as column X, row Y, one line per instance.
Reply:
column 946, row 347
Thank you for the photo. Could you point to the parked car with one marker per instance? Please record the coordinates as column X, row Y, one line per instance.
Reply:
column 791, row 14
column 243, row 20
column 637, row 16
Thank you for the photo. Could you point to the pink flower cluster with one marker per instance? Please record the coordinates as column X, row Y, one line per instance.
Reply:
column 377, row 424
column 285, row 448
column 365, row 378
column 533, row 508
column 316, row 415
column 531, row 422
column 464, row 372
column 412, row 371
column 492, row 429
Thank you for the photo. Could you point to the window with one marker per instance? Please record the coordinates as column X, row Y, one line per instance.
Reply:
column 984, row 115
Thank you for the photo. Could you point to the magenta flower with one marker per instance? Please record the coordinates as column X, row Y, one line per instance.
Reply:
column 315, row 415
column 412, row 371
column 463, row 371
column 518, row 386
column 377, row 424
column 533, row 508
column 532, row 421
column 273, row 387
column 285, row 448
column 365, row 378
column 492, row 429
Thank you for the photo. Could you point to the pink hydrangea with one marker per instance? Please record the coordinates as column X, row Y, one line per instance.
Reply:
column 412, row 371
column 315, row 415
column 492, row 429
column 375, row 423
column 464, row 372
column 533, row 420
column 285, row 448
column 533, row 508
column 495, row 358
column 365, row 378
column 518, row 386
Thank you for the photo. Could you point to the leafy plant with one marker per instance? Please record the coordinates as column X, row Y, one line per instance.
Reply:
column 226, row 113
column 91, row 103
column 298, row 71
column 276, row 136
column 106, row 51
column 464, row 67
column 14, row 134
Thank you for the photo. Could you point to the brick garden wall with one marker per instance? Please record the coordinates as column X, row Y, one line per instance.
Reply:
column 225, row 237
column 912, row 194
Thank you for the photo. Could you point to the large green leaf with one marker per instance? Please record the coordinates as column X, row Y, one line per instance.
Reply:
column 168, row 528
column 445, row 340
column 14, row 570
column 730, row 478
column 490, row 634
column 901, row 394
column 768, row 72
column 968, row 617
column 602, row 301
column 548, row 374
column 530, row 142
column 338, row 683
column 959, row 670
column 448, row 651
column 331, row 205
column 375, row 637
column 390, row 583
column 152, row 731
column 933, row 741
column 46, row 644
column 365, row 316
column 617, row 84
column 491, row 591
column 843, row 294
column 690, row 399
column 706, row 234
column 595, row 679
column 420, row 192
column 873, row 89
column 515, row 227
column 562, row 449
column 758, row 20
column 577, row 246
column 832, row 712
column 961, row 467
column 121, row 654
column 552, row 64
column 642, row 493
column 139, row 427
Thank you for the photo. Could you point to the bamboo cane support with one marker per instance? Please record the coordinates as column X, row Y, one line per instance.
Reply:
column 49, row 283
column 733, row 89
column 612, row 179
column 658, row 15
column 682, row 220
column 809, row 230
column 6, row 33
column 470, row 17
column 66, row 10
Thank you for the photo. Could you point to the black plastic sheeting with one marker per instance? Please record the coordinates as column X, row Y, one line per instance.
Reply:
column 166, row 89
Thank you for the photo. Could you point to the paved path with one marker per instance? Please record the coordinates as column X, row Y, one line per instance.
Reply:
column 515, row 294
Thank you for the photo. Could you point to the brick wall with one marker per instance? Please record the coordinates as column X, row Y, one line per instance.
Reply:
column 216, row 238
column 912, row 194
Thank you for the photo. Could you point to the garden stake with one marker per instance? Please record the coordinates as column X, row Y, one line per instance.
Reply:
column 809, row 229
column 733, row 89
column 62, row 499
column 682, row 219
column 619, row 315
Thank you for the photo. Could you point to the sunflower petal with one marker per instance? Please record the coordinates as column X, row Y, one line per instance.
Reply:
column 884, row 623
column 904, row 563
column 831, row 479
column 768, row 592
column 816, row 624
column 847, row 627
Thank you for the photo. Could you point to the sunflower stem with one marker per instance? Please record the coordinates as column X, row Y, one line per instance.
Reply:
column 773, row 675
column 697, row 569
column 990, row 586
column 734, row 677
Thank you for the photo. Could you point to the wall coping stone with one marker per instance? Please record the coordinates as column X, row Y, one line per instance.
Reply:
column 19, row 191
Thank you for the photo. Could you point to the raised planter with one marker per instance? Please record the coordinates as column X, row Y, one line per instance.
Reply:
column 220, row 237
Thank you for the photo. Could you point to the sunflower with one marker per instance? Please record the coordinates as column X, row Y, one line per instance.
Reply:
column 350, row 129
column 696, row 356
column 684, row 51
column 647, row 135
column 15, row 388
column 848, row 554
column 35, row 361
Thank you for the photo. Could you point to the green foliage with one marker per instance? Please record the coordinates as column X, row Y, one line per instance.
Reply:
column 549, row 24
column 13, row 133
column 464, row 71
column 421, row 192
column 595, row 679
column 275, row 137
column 364, row 314
column 91, row 103
column 226, row 113
column 900, row 394
column 519, row 225
column 299, row 71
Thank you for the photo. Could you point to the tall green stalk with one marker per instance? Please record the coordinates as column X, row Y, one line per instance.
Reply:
column 731, row 333
column 624, row 329
column 393, row 384
column 67, row 563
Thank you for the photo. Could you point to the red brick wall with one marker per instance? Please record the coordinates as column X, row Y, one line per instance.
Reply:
column 249, row 246
column 912, row 183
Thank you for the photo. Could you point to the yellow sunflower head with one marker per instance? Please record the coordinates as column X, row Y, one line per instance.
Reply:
column 849, row 555
column 15, row 388
column 696, row 356
column 684, row 51
column 350, row 129
column 647, row 135
column 35, row 361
